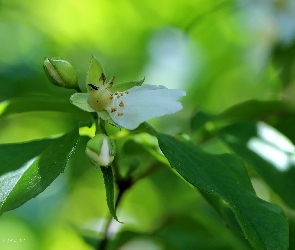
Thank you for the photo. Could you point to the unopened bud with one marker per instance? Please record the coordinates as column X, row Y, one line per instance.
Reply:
column 61, row 73
column 101, row 150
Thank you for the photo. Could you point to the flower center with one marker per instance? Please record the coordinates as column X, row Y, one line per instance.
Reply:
column 99, row 98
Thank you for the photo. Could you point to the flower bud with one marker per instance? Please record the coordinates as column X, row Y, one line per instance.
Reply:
column 61, row 73
column 101, row 150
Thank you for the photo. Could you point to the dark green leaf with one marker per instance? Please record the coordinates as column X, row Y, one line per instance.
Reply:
column 187, row 232
column 251, row 109
column 254, row 109
column 24, row 174
column 283, row 56
column 110, row 191
column 200, row 119
column 264, row 224
column 122, row 86
column 268, row 152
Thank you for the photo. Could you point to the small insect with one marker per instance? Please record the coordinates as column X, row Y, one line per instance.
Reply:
column 93, row 86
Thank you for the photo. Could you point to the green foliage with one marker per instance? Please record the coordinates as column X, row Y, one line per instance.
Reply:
column 41, row 103
column 27, row 169
column 224, row 176
column 231, row 184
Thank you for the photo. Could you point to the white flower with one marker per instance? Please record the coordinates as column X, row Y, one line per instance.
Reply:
column 142, row 103
column 127, row 108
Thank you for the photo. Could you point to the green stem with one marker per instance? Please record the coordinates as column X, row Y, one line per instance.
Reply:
column 100, row 124
column 147, row 172
column 124, row 184
column 103, row 243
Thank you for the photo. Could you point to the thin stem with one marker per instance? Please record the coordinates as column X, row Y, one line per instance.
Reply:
column 124, row 184
column 103, row 243
column 100, row 124
column 148, row 171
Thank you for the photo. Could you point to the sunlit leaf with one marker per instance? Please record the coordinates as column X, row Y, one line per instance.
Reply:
column 41, row 103
column 29, row 168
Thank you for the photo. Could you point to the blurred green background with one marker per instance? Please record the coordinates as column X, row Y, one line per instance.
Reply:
column 220, row 52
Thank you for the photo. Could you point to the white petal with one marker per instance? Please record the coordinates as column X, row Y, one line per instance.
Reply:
column 142, row 103
column 80, row 100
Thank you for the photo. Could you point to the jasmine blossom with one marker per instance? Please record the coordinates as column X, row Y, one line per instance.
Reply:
column 131, row 106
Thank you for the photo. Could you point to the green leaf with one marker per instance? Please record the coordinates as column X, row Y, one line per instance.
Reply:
column 122, row 86
column 196, row 232
column 251, row 109
column 248, row 110
column 94, row 73
column 269, row 152
column 199, row 120
column 24, row 174
column 264, row 224
column 41, row 103
column 254, row 109
column 110, row 191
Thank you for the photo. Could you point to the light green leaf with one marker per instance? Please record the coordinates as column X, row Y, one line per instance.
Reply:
column 94, row 73
column 263, row 224
column 122, row 86
column 269, row 152
column 110, row 191
column 24, row 174
column 41, row 103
